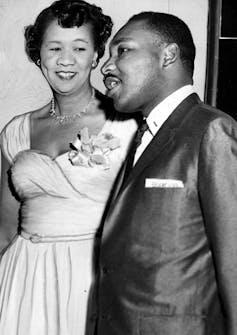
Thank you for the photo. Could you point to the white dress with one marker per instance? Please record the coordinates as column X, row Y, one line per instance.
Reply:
column 46, row 273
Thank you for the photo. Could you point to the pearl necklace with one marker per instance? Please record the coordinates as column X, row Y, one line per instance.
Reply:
column 69, row 118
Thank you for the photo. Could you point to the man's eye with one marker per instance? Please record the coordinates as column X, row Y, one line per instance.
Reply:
column 122, row 50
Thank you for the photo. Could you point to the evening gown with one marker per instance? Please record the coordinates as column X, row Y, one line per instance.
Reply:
column 46, row 273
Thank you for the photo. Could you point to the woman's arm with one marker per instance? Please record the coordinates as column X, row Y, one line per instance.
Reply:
column 9, row 208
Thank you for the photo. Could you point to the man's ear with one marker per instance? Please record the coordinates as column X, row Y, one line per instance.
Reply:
column 171, row 54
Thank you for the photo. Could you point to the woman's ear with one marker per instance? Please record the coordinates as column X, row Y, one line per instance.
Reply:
column 171, row 54
column 95, row 61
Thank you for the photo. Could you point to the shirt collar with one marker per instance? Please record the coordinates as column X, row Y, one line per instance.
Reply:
column 163, row 110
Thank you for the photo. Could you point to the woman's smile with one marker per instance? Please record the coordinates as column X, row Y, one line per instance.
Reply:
column 66, row 75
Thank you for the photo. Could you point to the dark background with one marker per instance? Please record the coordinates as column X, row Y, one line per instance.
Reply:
column 227, row 69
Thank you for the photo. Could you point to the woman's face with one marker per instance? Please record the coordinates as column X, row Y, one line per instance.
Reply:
column 66, row 56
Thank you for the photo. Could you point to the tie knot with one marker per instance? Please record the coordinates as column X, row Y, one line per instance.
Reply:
column 140, row 131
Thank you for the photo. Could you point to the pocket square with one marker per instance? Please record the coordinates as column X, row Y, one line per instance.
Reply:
column 163, row 183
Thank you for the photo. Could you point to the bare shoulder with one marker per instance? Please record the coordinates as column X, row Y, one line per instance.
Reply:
column 40, row 113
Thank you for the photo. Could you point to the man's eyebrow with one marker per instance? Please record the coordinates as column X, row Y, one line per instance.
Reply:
column 120, row 40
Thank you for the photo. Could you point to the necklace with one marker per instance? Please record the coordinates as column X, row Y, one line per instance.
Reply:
column 69, row 118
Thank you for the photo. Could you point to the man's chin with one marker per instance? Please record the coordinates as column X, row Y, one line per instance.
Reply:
column 120, row 108
column 123, row 107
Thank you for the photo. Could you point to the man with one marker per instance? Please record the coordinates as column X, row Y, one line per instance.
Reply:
column 169, row 243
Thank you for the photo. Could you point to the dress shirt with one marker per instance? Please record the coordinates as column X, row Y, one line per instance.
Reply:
column 160, row 114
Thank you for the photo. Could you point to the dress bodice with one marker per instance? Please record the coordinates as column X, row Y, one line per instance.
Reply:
column 59, row 198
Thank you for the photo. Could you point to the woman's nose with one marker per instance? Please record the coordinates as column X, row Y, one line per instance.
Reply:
column 66, row 58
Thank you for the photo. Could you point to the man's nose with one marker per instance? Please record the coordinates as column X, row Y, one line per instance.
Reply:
column 108, row 66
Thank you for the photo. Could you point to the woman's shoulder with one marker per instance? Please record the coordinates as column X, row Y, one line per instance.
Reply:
column 19, row 124
column 15, row 136
column 15, row 125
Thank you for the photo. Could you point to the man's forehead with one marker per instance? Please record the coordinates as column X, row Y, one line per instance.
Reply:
column 132, row 31
column 120, row 39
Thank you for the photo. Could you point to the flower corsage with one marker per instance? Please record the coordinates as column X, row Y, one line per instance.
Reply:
column 89, row 151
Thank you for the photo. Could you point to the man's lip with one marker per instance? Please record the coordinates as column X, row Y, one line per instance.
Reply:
column 111, row 82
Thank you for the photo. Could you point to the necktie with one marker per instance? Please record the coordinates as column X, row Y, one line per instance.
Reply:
column 137, row 141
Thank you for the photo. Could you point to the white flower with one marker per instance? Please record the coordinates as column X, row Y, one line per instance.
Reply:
column 89, row 151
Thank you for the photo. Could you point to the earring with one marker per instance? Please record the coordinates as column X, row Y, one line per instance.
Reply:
column 94, row 64
column 38, row 62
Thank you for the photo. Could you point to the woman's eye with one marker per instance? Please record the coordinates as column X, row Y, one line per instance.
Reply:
column 79, row 49
column 55, row 49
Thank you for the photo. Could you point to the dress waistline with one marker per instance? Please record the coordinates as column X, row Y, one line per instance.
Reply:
column 36, row 238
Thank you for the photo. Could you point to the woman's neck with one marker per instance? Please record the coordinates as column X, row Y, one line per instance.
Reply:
column 71, row 104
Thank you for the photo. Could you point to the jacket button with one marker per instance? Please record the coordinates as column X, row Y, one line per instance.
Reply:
column 106, row 317
column 105, row 270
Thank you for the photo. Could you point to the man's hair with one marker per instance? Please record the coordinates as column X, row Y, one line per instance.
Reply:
column 170, row 29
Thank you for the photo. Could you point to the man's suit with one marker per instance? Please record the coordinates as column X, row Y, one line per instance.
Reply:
column 169, row 244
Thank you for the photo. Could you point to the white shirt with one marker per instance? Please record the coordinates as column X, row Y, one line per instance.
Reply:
column 160, row 114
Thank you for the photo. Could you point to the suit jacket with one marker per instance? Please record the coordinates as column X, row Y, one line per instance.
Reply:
column 168, row 260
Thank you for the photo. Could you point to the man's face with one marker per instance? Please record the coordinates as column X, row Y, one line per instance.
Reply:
column 133, row 75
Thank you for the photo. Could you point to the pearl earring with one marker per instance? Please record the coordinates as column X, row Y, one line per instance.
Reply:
column 38, row 62
column 94, row 64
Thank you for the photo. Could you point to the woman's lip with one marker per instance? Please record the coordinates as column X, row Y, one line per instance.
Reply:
column 61, row 71
column 66, row 74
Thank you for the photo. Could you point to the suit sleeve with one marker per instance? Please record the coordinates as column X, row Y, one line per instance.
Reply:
column 217, row 182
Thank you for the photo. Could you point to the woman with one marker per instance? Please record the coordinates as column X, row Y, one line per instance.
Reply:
column 63, row 159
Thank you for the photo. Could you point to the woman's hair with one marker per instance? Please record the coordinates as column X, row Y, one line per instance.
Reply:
column 70, row 13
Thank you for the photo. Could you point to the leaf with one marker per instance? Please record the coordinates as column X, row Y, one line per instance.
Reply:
column 98, row 159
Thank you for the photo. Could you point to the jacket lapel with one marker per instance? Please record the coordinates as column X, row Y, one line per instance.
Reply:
column 164, row 137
